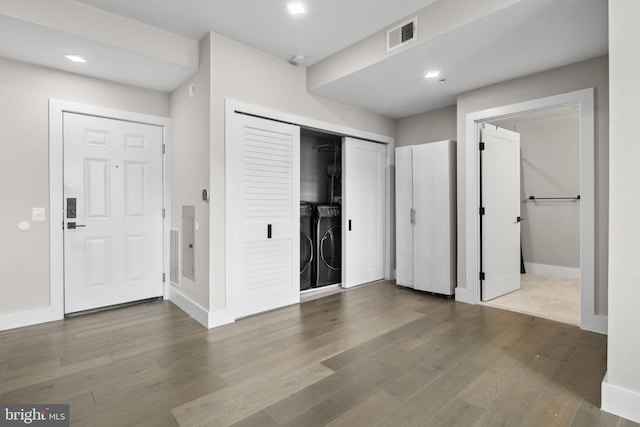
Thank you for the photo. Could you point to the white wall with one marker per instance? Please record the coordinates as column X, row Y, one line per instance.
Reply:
column 190, row 143
column 621, row 390
column 586, row 74
column 25, row 91
column 245, row 74
column 436, row 125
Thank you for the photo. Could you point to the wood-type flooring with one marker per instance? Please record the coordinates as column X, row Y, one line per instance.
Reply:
column 378, row 355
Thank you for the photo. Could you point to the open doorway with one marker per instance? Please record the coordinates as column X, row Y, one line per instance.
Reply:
column 590, row 319
column 550, row 211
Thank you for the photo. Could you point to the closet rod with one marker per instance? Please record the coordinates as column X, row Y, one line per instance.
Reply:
column 554, row 198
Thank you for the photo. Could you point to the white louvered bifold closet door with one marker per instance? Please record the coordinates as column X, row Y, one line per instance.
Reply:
column 268, row 185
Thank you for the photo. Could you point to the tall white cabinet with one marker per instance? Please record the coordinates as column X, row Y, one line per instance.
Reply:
column 426, row 217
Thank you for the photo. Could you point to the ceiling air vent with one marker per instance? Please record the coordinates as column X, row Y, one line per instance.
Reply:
column 403, row 34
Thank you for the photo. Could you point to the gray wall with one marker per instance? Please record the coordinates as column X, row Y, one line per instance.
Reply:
column 190, row 142
column 550, row 166
column 314, row 181
column 591, row 73
column 436, row 125
column 25, row 91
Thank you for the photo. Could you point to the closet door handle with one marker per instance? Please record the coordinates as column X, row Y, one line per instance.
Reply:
column 349, row 225
column 269, row 233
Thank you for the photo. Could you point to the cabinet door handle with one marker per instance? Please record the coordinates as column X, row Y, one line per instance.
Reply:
column 349, row 225
column 269, row 231
column 413, row 216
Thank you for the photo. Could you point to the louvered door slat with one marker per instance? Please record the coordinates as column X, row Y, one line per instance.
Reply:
column 269, row 189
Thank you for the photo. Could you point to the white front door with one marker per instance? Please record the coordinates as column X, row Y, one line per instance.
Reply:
column 113, row 200
column 363, row 198
column 266, row 192
column 500, row 224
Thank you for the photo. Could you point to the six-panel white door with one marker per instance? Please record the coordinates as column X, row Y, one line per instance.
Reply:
column 266, row 183
column 501, row 221
column 363, row 201
column 113, row 170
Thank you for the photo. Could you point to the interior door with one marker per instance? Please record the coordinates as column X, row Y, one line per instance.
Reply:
column 113, row 221
column 404, row 216
column 363, row 211
column 266, row 179
column 500, row 224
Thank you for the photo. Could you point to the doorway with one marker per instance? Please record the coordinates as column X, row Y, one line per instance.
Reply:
column 549, row 204
column 584, row 98
column 361, row 230
column 149, row 259
column 113, row 212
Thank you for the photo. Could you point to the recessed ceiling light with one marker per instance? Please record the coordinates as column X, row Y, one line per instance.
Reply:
column 432, row 74
column 75, row 58
column 296, row 8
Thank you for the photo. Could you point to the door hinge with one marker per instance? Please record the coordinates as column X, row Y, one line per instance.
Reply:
column 482, row 275
column 481, row 145
column 164, row 148
column 481, row 136
column 164, row 212
column 482, row 211
column 164, row 277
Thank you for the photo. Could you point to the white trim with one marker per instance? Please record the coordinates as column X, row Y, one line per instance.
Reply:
column 305, row 122
column 231, row 107
column 620, row 401
column 219, row 318
column 197, row 312
column 29, row 317
column 56, row 195
column 552, row 270
column 585, row 99
column 186, row 304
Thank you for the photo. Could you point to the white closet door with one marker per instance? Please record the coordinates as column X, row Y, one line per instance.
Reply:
column 363, row 211
column 404, row 216
column 113, row 212
column 501, row 200
column 432, row 204
column 266, row 176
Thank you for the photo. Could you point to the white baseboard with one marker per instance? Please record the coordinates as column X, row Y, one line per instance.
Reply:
column 29, row 317
column 552, row 270
column 219, row 318
column 620, row 401
column 193, row 309
column 200, row 314
column 465, row 295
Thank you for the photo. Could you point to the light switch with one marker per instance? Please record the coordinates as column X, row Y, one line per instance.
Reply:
column 38, row 214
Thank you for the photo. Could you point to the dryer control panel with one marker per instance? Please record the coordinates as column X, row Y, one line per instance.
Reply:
column 328, row 211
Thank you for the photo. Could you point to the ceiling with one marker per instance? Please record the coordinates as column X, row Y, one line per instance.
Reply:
column 327, row 27
column 527, row 37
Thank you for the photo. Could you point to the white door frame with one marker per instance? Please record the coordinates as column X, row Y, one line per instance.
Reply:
column 231, row 107
column 56, row 200
column 584, row 98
